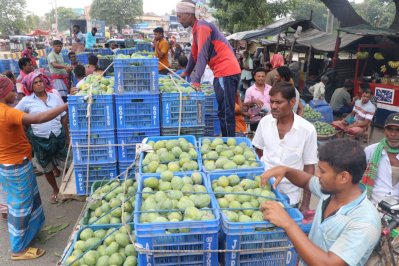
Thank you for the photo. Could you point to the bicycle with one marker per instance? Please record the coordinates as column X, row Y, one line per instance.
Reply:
column 386, row 251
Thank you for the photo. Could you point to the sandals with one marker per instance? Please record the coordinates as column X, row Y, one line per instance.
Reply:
column 30, row 254
column 53, row 199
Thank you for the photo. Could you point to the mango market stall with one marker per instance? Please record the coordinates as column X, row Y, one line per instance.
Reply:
column 180, row 199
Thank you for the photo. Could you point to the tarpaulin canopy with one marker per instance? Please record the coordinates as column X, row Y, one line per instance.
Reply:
column 367, row 30
column 39, row 33
column 273, row 29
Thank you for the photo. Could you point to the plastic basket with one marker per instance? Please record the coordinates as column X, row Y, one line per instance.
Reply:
column 69, row 249
column 136, row 75
column 317, row 103
column 137, row 111
column 189, row 138
column 239, row 140
column 103, row 63
column 104, row 154
column 255, row 236
column 211, row 105
column 212, row 126
column 101, row 116
column 83, row 58
column 197, row 132
column 192, row 109
column 97, row 172
column 144, row 46
column 130, row 136
column 43, row 61
column 201, row 235
column 326, row 112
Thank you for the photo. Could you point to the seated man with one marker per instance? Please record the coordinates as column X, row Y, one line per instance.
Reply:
column 357, row 122
column 341, row 99
column 346, row 226
column 382, row 174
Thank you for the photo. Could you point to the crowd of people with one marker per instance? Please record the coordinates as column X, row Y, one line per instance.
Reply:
column 348, row 179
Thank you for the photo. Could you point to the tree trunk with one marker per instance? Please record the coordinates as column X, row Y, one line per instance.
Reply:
column 395, row 23
column 344, row 12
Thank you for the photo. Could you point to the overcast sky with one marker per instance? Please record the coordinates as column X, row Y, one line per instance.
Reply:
column 40, row 7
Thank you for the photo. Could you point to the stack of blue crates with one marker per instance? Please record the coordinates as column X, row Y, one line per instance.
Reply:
column 212, row 124
column 94, row 127
column 136, row 105
column 144, row 46
column 9, row 64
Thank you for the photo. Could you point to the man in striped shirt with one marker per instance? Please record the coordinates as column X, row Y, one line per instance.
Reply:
column 357, row 122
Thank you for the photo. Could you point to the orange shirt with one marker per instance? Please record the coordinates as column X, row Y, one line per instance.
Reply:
column 164, row 47
column 241, row 126
column 14, row 146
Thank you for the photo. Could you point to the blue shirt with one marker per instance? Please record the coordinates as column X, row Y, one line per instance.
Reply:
column 90, row 40
column 351, row 233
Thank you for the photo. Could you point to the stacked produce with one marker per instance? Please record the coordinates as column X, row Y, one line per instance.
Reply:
column 105, row 206
column 324, row 129
column 168, row 84
column 174, row 199
column 142, row 54
column 243, row 196
column 104, row 247
column 220, row 155
column 96, row 84
column 362, row 55
column 311, row 115
column 175, row 155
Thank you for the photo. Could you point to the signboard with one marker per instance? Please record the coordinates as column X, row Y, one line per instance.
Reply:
column 384, row 95
column 140, row 26
column 100, row 25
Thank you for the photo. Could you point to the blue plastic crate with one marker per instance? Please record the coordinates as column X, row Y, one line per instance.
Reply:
column 326, row 112
column 66, row 59
column 43, row 61
column 144, row 46
column 260, row 167
column 201, row 235
column 102, row 113
column 317, row 103
column 83, row 58
column 69, row 249
column 189, row 138
column 80, row 149
column 14, row 67
column 97, row 172
column 129, row 137
column 137, row 111
column 192, row 109
column 254, row 236
column 211, row 105
column 212, row 126
column 198, row 131
column 123, row 167
column 136, row 75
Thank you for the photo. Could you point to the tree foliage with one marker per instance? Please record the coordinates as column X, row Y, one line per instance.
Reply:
column 304, row 9
column 12, row 16
column 376, row 12
column 32, row 22
column 117, row 12
column 240, row 15
column 64, row 16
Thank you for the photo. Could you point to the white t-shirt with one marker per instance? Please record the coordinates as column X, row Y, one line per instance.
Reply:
column 296, row 149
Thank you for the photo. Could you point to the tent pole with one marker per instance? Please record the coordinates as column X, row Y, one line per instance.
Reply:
column 308, row 64
column 336, row 50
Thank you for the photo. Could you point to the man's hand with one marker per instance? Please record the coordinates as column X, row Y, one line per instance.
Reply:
column 74, row 91
column 68, row 68
column 275, row 213
column 278, row 172
column 196, row 87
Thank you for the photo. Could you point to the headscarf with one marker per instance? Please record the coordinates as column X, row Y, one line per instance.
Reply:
column 185, row 7
column 277, row 60
column 199, row 9
column 6, row 86
column 28, row 82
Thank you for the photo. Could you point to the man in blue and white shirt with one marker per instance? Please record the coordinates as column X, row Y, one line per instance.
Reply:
column 346, row 226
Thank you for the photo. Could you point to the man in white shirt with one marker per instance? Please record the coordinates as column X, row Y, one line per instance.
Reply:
column 318, row 90
column 247, row 67
column 284, row 138
column 382, row 174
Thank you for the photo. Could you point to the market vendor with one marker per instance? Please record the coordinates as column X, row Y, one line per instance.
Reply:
column 161, row 48
column 211, row 47
column 341, row 102
column 346, row 225
column 284, row 138
column 25, row 211
column 357, row 122
column 59, row 70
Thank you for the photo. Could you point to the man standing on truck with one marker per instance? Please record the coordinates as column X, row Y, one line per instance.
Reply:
column 78, row 40
column 91, row 38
